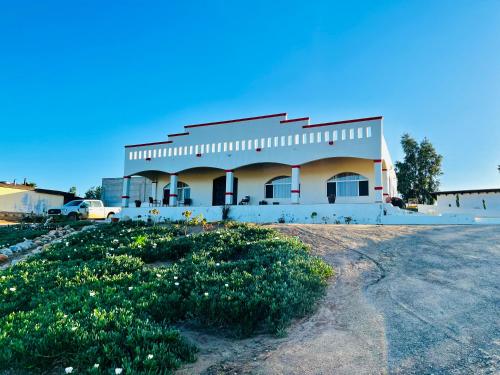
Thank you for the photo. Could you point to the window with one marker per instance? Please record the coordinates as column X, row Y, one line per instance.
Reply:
column 275, row 141
column 183, row 191
column 311, row 137
column 351, row 133
column 318, row 137
column 230, row 146
column 279, row 187
column 304, row 138
column 190, row 150
column 368, row 131
column 237, row 145
column 297, row 139
column 347, row 185
column 343, row 134
column 327, row 136
column 130, row 155
column 335, row 135
column 360, row 132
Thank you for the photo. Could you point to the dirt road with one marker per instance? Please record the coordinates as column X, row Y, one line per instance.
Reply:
column 406, row 300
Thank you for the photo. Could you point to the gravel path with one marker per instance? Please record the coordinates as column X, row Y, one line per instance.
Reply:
column 406, row 300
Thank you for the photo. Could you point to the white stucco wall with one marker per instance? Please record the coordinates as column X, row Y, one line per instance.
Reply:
column 470, row 203
column 27, row 201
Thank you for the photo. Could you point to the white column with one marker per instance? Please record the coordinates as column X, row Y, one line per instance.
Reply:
column 154, row 188
column 377, row 171
column 229, row 186
column 173, row 190
column 126, row 191
column 295, row 184
column 385, row 182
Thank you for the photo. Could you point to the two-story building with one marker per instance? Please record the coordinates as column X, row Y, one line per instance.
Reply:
column 265, row 160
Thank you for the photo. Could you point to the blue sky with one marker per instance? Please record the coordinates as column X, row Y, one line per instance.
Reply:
column 80, row 79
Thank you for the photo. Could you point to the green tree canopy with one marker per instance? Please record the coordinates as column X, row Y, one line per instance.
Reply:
column 94, row 192
column 72, row 190
column 418, row 174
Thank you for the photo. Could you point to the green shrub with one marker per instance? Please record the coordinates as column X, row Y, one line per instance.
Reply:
column 92, row 299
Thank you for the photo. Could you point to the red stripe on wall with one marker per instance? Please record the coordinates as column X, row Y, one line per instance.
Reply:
column 378, row 187
column 235, row 120
column 148, row 144
column 343, row 122
column 295, row 119
column 125, row 196
column 229, row 193
column 295, row 191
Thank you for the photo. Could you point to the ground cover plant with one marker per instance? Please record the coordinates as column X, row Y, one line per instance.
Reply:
column 95, row 303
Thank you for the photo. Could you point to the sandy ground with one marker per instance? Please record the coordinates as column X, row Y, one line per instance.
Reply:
column 5, row 222
column 405, row 300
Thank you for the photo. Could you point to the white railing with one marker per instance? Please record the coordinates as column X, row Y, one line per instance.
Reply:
column 243, row 145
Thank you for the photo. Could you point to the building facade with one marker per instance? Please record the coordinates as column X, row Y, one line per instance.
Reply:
column 140, row 189
column 265, row 160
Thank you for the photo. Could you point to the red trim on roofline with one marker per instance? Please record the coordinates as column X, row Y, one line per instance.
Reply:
column 178, row 134
column 148, row 144
column 343, row 122
column 235, row 120
column 295, row 119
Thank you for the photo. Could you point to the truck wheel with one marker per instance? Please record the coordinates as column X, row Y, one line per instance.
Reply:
column 110, row 215
column 72, row 216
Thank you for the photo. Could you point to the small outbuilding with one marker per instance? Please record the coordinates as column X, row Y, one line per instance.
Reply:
column 17, row 200
column 480, row 202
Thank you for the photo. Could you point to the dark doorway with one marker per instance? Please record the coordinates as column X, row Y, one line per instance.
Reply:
column 166, row 197
column 219, row 191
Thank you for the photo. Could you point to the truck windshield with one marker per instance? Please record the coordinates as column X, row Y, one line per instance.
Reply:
column 73, row 203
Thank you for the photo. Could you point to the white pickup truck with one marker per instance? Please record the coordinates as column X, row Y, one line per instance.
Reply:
column 85, row 209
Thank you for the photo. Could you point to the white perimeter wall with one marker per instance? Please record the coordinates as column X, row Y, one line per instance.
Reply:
column 470, row 204
column 27, row 201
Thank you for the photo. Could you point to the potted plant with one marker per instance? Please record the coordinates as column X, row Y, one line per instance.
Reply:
column 137, row 203
column 331, row 199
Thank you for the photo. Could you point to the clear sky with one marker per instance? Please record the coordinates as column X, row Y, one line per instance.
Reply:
column 80, row 79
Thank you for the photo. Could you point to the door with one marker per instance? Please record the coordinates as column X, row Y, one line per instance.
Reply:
column 166, row 197
column 219, row 191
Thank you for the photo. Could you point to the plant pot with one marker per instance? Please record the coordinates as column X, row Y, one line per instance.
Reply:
column 331, row 199
column 138, row 203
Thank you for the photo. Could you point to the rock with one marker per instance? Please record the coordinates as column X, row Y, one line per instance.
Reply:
column 46, row 246
column 26, row 245
column 3, row 258
column 52, row 232
column 67, row 227
column 88, row 227
column 6, row 252
column 15, row 248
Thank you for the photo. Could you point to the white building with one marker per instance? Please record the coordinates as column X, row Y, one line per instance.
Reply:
column 477, row 202
column 266, row 160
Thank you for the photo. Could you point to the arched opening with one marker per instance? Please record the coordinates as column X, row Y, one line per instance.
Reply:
column 347, row 184
column 183, row 194
column 279, row 187
column 219, row 191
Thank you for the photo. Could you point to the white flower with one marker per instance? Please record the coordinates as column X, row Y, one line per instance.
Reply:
column 67, row 243
column 158, row 275
column 227, row 285
column 96, row 365
column 118, row 370
column 68, row 370
column 150, row 356
column 176, row 283
column 65, row 316
column 13, row 289
column 175, row 277
column 130, row 287
column 154, row 245
column 92, row 293
column 74, row 328
column 206, row 294
column 217, row 264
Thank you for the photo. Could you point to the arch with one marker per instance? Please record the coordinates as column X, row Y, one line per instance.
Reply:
column 347, row 184
column 278, row 187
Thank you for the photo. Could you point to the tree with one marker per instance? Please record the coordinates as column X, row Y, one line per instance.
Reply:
column 72, row 190
column 94, row 192
column 418, row 174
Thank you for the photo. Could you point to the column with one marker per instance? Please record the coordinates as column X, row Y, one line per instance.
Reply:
column 126, row 191
column 154, row 188
column 295, row 184
column 377, row 172
column 173, row 190
column 385, row 180
column 229, row 186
